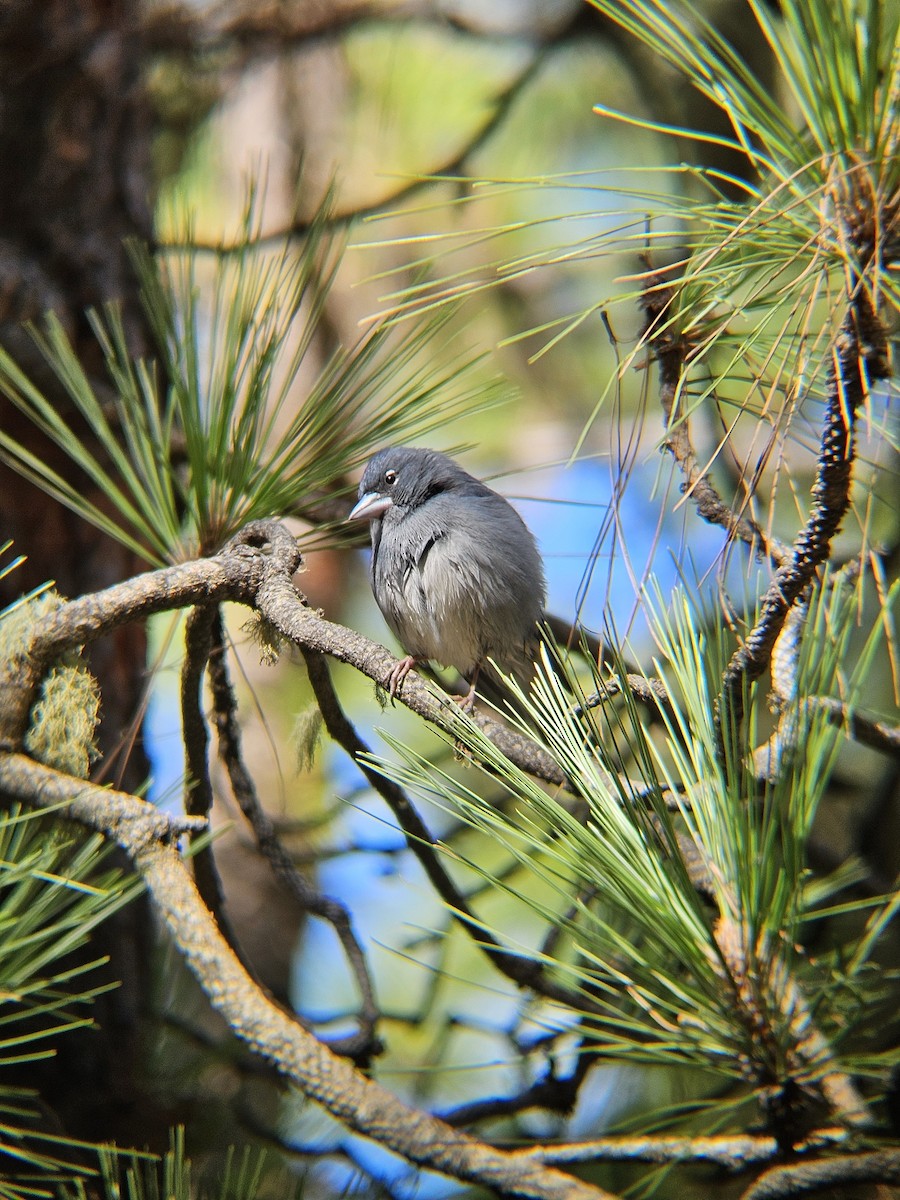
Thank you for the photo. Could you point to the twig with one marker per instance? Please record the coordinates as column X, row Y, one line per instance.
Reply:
column 647, row 690
column 861, row 727
column 525, row 972
column 263, row 28
column 671, row 353
column 734, row 1152
column 365, row 1043
column 865, row 729
column 549, row 1093
column 781, row 1183
column 450, row 170
column 831, row 497
column 575, row 637
column 868, row 730
column 198, row 794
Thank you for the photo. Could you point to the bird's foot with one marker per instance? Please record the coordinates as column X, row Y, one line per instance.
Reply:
column 399, row 672
column 467, row 702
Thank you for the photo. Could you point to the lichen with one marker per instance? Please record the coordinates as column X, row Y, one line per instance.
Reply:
column 64, row 717
column 305, row 737
column 265, row 637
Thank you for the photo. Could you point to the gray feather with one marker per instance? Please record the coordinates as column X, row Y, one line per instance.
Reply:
column 454, row 569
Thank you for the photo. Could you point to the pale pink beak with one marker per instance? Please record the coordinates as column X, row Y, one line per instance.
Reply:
column 370, row 506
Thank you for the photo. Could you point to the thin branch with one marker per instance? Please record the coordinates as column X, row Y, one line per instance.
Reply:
column 784, row 667
column 831, row 497
column 671, row 354
column 198, row 793
column 574, row 636
column 198, row 796
column 259, row 29
column 525, row 972
column 782, row 1183
column 549, row 1093
column 234, row 574
column 365, row 1043
column 734, row 1152
column 785, row 662
column 869, row 731
column 643, row 688
column 863, row 728
column 451, row 170
column 255, row 28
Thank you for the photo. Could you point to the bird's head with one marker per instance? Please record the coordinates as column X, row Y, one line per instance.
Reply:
column 404, row 477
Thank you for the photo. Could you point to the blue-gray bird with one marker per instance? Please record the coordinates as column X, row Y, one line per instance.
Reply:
column 454, row 568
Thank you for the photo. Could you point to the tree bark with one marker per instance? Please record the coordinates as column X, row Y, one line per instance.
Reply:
column 74, row 144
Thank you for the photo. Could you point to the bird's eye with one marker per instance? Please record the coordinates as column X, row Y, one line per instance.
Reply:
column 390, row 478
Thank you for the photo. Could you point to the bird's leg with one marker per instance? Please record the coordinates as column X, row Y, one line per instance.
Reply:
column 399, row 672
column 467, row 702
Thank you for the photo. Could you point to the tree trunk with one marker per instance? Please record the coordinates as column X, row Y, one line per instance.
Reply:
column 74, row 142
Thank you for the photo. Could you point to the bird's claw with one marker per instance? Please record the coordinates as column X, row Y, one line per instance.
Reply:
column 399, row 672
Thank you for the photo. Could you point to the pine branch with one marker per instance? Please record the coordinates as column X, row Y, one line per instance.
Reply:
column 801, row 1179
column 524, row 972
column 232, row 576
column 733, row 1152
column 792, row 713
column 363, row 1045
column 198, row 792
column 831, row 497
column 671, row 351
column 256, row 568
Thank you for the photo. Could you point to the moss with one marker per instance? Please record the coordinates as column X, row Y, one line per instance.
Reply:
column 17, row 621
column 305, row 737
column 64, row 717
column 265, row 637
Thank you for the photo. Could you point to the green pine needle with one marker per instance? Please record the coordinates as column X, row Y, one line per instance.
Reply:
column 220, row 427
column 719, row 980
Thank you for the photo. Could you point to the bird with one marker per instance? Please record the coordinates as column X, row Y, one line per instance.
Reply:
column 454, row 569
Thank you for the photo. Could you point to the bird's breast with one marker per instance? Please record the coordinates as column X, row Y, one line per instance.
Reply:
column 459, row 585
column 428, row 602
